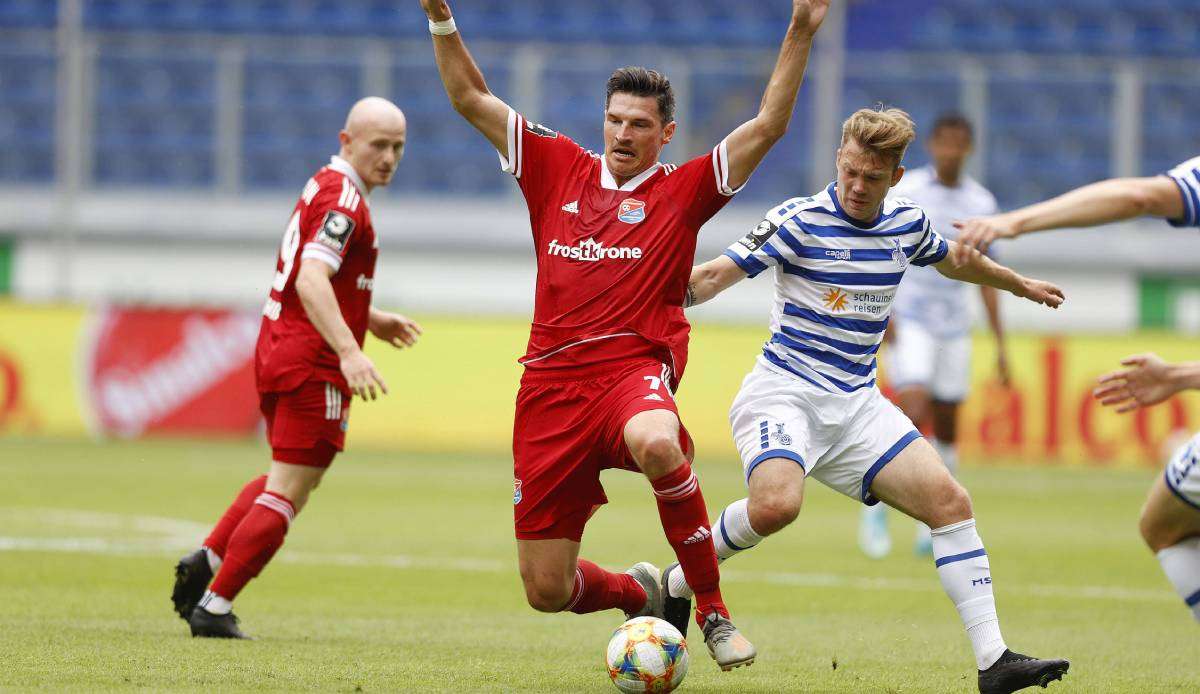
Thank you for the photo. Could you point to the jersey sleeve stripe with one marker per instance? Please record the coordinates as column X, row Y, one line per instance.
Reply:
column 720, row 158
column 751, row 266
column 512, row 163
column 1188, row 182
column 316, row 251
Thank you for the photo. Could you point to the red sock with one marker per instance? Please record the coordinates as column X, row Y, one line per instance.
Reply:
column 596, row 589
column 254, row 542
column 218, row 539
column 685, row 521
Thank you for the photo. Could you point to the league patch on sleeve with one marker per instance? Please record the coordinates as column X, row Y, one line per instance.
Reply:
column 335, row 230
column 540, row 130
column 761, row 234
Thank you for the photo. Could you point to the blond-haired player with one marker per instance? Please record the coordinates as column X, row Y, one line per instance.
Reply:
column 811, row 407
column 1170, row 521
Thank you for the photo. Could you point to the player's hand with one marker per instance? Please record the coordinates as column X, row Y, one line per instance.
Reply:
column 978, row 234
column 1002, row 371
column 437, row 10
column 361, row 375
column 395, row 329
column 1040, row 292
column 1146, row 382
column 809, row 14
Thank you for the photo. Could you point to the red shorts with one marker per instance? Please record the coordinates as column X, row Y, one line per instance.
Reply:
column 567, row 431
column 306, row 426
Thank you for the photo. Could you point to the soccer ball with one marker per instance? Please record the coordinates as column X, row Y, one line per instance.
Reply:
column 647, row 654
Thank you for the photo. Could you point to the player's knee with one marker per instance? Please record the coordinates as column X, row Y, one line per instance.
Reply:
column 547, row 595
column 1157, row 534
column 657, row 453
column 772, row 512
column 953, row 505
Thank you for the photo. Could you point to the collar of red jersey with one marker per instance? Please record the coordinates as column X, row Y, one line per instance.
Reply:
column 343, row 167
column 608, row 182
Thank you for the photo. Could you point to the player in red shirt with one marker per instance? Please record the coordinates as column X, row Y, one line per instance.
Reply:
column 309, row 362
column 615, row 236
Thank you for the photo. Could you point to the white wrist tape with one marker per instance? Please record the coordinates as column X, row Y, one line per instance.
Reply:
column 442, row 28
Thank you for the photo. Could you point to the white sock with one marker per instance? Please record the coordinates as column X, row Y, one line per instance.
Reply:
column 215, row 604
column 732, row 533
column 962, row 565
column 948, row 453
column 214, row 562
column 1181, row 564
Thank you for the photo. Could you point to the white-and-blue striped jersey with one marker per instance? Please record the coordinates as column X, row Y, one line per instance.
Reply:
column 1187, row 177
column 835, row 279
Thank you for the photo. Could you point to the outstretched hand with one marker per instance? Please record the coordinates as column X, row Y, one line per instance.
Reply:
column 1042, row 293
column 978, row 234
column 395, row 329
column 1146, row 382
column 809, row 13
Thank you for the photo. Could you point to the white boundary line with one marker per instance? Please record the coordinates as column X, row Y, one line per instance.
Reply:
column 170, row 536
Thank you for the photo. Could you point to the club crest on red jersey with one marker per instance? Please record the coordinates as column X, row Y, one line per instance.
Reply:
column 631, row 211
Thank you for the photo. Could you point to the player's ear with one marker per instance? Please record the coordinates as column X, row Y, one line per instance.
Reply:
column 344, row 138
column 897, row 174
column 668, row 132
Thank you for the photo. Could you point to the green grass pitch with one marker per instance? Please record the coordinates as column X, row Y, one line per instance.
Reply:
column 401, row 575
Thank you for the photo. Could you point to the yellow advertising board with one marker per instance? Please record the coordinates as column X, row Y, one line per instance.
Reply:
column 454, row 392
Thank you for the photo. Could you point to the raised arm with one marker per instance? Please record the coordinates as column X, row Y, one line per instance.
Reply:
column 979, row 269
column 463, row 80
column 750, row 142
column 712, row 278
column 1108, row 201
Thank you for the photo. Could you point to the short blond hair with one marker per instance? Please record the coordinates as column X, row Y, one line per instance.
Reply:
column 885, row 131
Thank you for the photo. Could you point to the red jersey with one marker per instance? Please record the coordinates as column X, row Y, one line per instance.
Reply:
column 613, row 261
column 332, row 224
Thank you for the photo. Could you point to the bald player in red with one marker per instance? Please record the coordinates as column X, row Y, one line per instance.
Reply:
column 615, row 237
column 308, row 363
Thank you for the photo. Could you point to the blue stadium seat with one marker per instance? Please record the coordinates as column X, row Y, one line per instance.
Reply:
column 28, row 14
column 27, row 115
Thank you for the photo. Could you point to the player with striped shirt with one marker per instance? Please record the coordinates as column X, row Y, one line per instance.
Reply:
column 811, row 406
column 1170, row 520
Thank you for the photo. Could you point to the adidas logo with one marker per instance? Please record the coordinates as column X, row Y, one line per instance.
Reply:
column 571, row 207
column 700, row 535
column 654, row 396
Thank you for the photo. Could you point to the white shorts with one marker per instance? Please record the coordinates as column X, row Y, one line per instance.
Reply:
column 841, row 439
column 941, row 365
column 1183, row 473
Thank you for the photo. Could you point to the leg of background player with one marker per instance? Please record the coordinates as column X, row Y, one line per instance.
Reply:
column 557, row 580
column 918, row 483
column 254, row 542
column 1171, row 529
column 194, row 571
